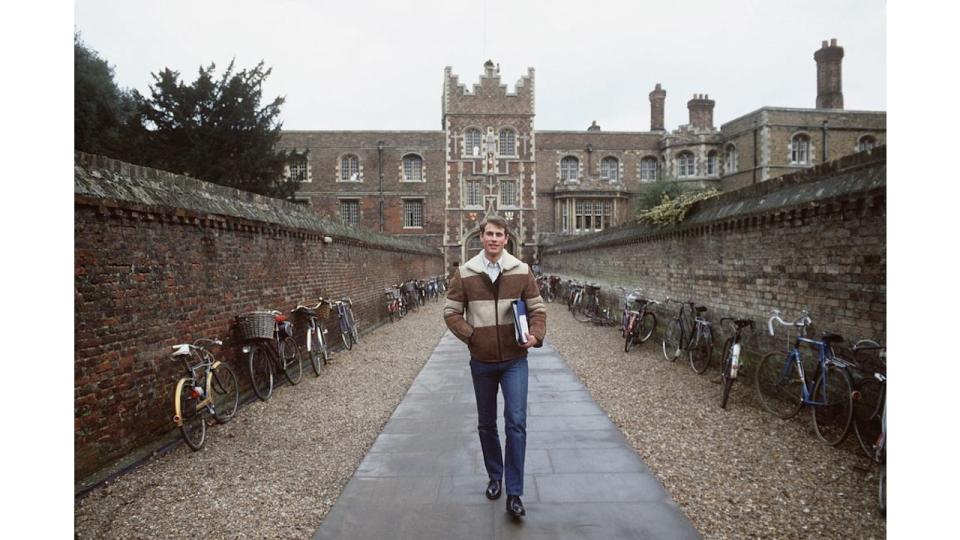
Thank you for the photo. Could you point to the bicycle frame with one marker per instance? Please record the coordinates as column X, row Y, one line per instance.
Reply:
column 825, row 357
column 207, row 367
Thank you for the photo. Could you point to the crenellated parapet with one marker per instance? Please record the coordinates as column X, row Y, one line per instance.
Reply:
column 488, row 96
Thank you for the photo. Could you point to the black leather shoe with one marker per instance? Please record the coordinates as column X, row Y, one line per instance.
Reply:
column 515, row 506
column 493, row 490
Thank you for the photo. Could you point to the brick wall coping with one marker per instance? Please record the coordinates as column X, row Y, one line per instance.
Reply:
column 393, row 131
column 99, row 178
column 854, row 175
column 802, row 110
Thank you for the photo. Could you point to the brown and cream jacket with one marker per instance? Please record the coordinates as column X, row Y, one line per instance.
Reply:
column 479, row 311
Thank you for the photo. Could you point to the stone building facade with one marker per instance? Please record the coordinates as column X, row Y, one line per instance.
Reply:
column 437, row 185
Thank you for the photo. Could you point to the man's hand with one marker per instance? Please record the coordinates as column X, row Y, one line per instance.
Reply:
column 531, row 341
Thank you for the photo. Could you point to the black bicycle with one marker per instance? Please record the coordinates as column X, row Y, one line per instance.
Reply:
column 731, row 355
column 689, row 332
column 261, row 329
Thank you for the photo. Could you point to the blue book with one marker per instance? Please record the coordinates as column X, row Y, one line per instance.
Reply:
column 520, row 325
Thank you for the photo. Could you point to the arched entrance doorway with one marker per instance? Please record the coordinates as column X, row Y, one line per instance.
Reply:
column 473, row 245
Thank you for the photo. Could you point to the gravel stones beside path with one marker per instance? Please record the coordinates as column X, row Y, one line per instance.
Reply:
column 736, row 473
column 277, row 468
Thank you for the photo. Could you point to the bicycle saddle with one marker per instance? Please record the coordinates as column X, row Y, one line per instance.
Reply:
column 832, row 338
column 700, row 309
column 306, row 311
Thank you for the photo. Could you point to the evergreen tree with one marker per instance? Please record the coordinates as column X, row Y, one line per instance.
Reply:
column 215, row 129
column 100, row 108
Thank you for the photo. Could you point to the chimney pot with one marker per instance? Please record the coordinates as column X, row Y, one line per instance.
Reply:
column 823, row 44
column 833, row 42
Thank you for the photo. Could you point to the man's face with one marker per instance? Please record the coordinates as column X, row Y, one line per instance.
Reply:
column 494, row 238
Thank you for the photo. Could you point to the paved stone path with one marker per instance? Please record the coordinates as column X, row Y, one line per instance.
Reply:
column 424, row 476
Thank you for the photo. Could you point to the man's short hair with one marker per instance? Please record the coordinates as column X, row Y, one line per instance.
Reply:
column 495, row 220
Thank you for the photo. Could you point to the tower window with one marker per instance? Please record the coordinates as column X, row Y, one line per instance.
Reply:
column 508, row 142
column 472, row 197
column 472, row 143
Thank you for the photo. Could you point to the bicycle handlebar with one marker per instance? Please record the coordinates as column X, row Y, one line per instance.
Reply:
column 802, row 321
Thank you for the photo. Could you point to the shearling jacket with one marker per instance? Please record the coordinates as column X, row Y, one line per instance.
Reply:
column 479, row 311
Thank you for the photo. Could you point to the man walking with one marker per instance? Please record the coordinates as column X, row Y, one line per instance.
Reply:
column 484, row 288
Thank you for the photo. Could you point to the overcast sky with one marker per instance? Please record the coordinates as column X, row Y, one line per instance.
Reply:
column 374, row 64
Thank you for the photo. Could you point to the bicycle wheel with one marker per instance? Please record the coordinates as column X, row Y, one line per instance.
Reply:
column 261, row 371
column 702, row 351
column 402, row 310
column 193, row 425
column 413, row 304
column 582, row 311
column 347, row 338
column 725, row 374
column 391, row 314
column 291, row 360
column 832, row 418
column 671, row 340
column 647, row 325
column 315, row 350
column 629, row 335
column 354, row 327
column 868, row 414
column 225, row 390
column 778, row 385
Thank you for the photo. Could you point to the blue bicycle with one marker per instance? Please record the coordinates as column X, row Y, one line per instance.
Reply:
column 783, row 386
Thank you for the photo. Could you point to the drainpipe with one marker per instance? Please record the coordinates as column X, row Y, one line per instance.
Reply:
column 380, row 165
column 825, row 147
column 756, row 151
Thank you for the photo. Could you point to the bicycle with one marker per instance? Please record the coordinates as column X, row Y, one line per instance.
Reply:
column 586, row 306
column 545, row 291
column 731, row 356
column 639, row 324
column 689, row 332
column 316, row 342
column 410, row 295
column 209, row 389
column 395, row 306
column 783, row 387
column 870, row 393
column 348, row 324
column 260, row 329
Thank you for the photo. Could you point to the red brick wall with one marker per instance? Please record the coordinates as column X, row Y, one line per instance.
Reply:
column 148, row 276
column 815, row 241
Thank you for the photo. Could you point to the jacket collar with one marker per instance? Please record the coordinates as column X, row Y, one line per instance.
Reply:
column 478, row 265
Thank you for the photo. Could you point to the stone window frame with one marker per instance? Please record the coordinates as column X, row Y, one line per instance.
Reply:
column 516, row 193
column 564, row 215
column 713, row 163
column 686, row 164
column 731, row 158
column 300, row 159
column 466, row 150
column 344, row 218
column 500, row 142
column 561, row 169
column 616, row 169
column 422, row 171
column 864, row 140
column 466, row 192
column 599, row 214
column 656, row 168
column 341, row 171
column 422, row 212
column 801, row 154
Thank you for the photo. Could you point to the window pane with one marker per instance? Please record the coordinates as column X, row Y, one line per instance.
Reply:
column 609, row 169
column 413, row 213
column 412, row 169
column 472, row 141
column 298, row 170
column 350, row 213
column 507, row 143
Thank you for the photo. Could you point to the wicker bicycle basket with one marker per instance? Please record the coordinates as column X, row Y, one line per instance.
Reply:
column 256, row 325
column 323, row 311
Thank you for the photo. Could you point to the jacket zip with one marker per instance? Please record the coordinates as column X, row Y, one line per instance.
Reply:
column 496, row 309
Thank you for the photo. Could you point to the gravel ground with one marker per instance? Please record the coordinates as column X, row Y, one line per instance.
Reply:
column 277, row 468
column 739, row 473
column 736, row 473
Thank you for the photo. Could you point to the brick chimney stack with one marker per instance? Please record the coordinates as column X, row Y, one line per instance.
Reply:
column 657, row 99
column 829, row 75
column 701, row 111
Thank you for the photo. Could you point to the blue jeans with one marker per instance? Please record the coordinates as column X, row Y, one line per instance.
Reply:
column 512, row 377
